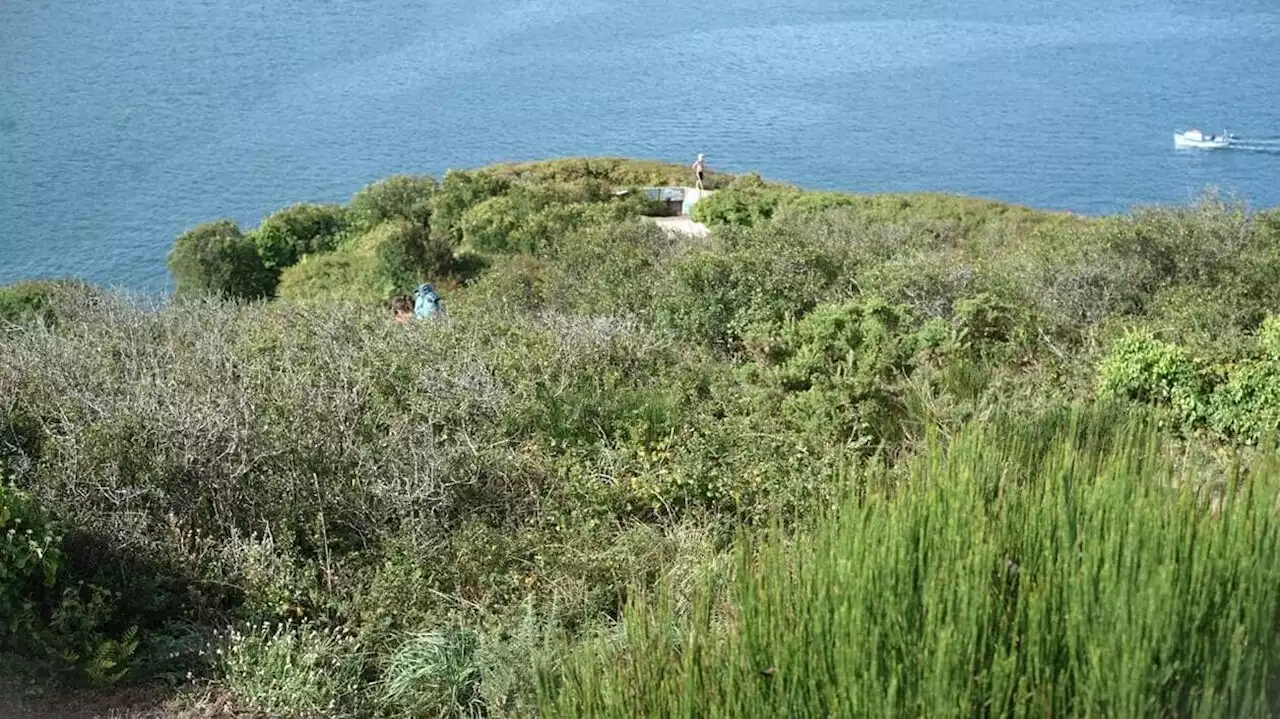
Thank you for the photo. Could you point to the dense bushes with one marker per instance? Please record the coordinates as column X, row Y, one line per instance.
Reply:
column 406, row 229
column 400, row 197
column 217, row 259
column 33, row 302
column 419, row 511
column 294, row 232
column 389, row 259
column 1239, row 400
column 65, row 627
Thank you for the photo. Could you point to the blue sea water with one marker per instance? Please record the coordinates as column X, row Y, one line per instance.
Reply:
column 124, row 122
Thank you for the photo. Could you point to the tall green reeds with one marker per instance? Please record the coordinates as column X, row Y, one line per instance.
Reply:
column 1061, row 568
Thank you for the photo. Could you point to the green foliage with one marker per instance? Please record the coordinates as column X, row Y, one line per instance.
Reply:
column 1239, row 400
column 50, row 620
column 32, row 302
column 390, row 259
column 1088, row 585
column 1247, row 405
column 217, row 259
column 436, row 674
column 345, row 275
column 489, row 225
column 458, row 193
column 307, row 671
column 288, row 235
column 1269, row 336
column 611, row 172
column 837, row 368
column 610, row 408
column 743, row 207
column 748, row 279
column 30, row 555
column 1143, row 369
column 399, row 197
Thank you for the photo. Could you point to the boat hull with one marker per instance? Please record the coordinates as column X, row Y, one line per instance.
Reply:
column 1180, row 140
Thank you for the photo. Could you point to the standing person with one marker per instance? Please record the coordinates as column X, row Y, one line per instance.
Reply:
column 700, row 167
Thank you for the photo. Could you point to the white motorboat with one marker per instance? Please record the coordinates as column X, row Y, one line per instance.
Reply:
column 1202, row 140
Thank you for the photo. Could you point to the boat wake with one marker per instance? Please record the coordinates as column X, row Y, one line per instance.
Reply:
column 1256, row 147
column 1256, row 144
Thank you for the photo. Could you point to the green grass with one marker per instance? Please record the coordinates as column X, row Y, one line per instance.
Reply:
column 1066, row 568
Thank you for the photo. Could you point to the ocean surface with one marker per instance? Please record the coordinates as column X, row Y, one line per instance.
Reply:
column 124, row 122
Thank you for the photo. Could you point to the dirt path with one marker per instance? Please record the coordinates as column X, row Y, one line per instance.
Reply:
column 25, row 701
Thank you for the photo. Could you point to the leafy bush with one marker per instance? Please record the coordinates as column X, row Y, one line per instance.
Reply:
column 836, row 369
column 399, row 197
column 1143, row 369
column 1239, row 400
column 29, row 557
column 610, row 172
column 489, row 225
column 390, row 259
column 288, row 235
column 1269, row 336
column 345, row 275
column 216, row 259
column 742, row 207
column 986, row 324
column 55, row 622
column 1247, row 405
column 553, row 226
column 747, row 279
column 458, row 193
column 32, row 302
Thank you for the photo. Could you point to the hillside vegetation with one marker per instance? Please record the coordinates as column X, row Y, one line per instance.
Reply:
column 849, row 455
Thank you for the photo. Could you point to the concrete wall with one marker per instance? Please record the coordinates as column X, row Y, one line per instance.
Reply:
column 691, row 197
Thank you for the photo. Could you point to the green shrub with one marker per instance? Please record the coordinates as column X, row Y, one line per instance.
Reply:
column 390, row 259
column 836, row 369
column 216, row 259
column 548, row 229
column 29, row 556
column 1215, row 321
column 608, row 172
column 288, row 235
column 34, row 301
column 303, row 671
column 49, row 620
column 1269, row 336
column 1247, row 405
column 606, row 268
column 742, row 207
column 399, row 197
column 748, row 278
column 458, row 193
column 988, row 324
column 489, row 225
column 344, row 274
column 1142, row 369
